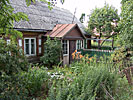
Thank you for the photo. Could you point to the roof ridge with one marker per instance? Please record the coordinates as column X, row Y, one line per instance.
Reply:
column 63, row 28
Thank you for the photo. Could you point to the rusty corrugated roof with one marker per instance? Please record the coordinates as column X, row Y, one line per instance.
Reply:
column 60, row 30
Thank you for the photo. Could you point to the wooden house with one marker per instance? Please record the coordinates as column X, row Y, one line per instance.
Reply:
column 57, row 22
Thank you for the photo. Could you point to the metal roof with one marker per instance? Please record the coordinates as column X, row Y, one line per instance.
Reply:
column 60, row 30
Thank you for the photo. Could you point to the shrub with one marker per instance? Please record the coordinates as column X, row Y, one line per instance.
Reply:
column 88, row 81
column 52, row 52
column 35, row 81
column 11, row 88
column 123, row 90
column 12, row 62
column 11, row 58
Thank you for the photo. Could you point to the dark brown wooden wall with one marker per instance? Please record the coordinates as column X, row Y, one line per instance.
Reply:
column 88, row 41
column 75, row 33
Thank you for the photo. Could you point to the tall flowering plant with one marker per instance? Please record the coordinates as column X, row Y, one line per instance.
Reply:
column 77, row 56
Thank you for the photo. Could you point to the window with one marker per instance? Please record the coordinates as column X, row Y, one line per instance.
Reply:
column 65, row 46
column 30, row 46
column 20, row 42
column 40, row 42
column 40, row 46
column 85, row 44
column 79, row 44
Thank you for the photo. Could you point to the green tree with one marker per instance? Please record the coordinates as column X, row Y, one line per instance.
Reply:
column 52, row 52
column 82, row 18
column 7, row 18
column 126, row 24
column 104, row 20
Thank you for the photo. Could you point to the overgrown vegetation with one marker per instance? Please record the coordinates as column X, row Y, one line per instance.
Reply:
column 12, row 62
column 86, row 79
column 52, row 52
column 126, row 24
column 89, row 81
column 36, row 81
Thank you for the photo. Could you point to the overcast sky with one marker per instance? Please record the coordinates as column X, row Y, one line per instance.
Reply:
column 85, row 6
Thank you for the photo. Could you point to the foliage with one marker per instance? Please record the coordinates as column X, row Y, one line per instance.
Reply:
column 7, row 18
column 50, row 3
column 126, row 24
column 82, row 18
column 12, row 62
column 11, row 87
column 124, row 90
column 87, row 81
column 122, row 58
column 35, row 81
column 103, row 21
column 11, row 59
column 52, row 52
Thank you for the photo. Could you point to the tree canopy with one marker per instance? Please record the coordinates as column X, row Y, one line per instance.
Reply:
column 126, row 24
column 8, row 17
column 103, row 21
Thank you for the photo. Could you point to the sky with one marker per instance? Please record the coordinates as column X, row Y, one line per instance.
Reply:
column 86, row 6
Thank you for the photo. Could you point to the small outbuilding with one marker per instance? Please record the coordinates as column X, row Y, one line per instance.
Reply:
column 71, row 38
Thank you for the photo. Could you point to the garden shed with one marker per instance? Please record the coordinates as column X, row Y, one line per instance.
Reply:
column 71, row 37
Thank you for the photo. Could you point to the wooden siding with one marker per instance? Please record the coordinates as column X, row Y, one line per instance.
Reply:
column 74, row 34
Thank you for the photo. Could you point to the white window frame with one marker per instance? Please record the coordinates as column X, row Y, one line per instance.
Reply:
column 30, row 47
column 40, row 46
column 77, row 44
column 20, row 42
column 85, row 44
column 40, row 42
column 40, row 50
column 67, row 48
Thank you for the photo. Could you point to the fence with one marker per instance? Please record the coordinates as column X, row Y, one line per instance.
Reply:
column 97, row 52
